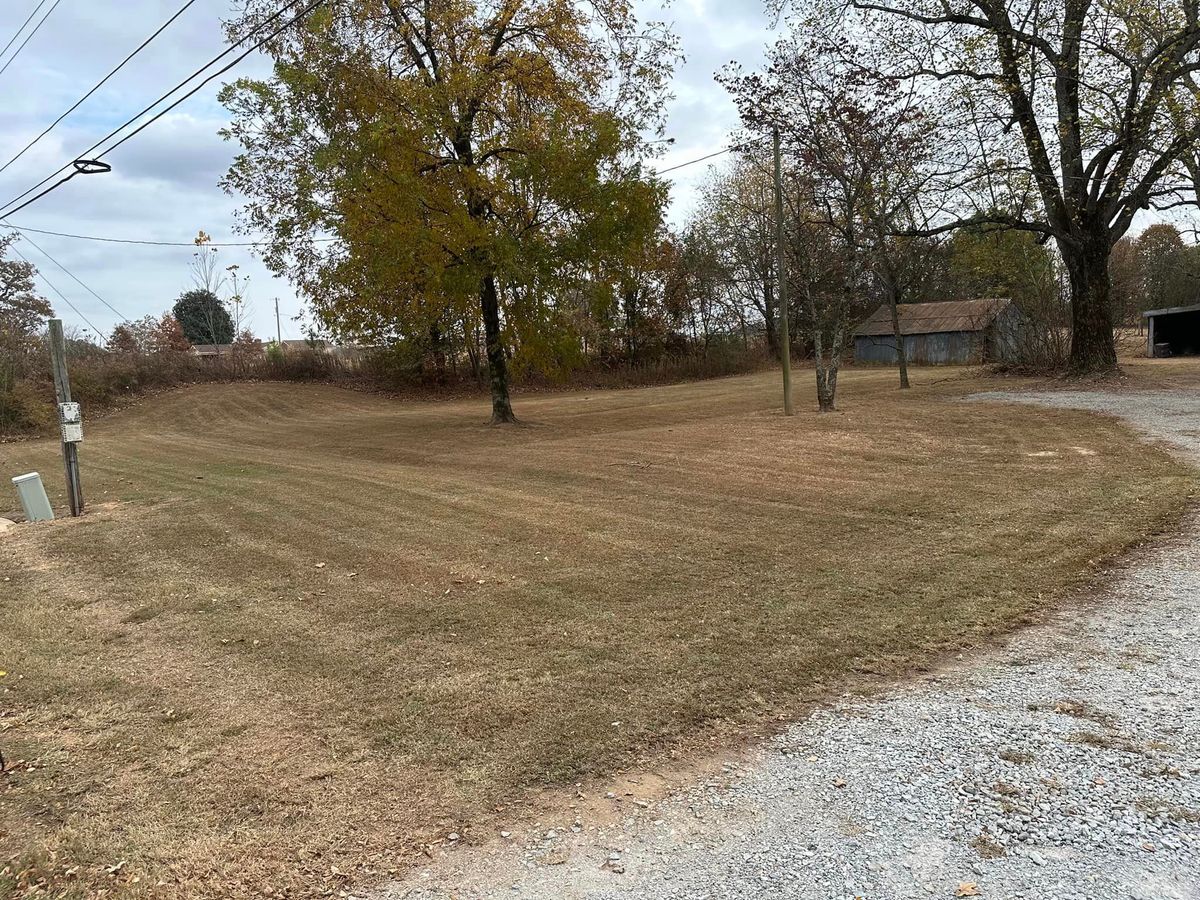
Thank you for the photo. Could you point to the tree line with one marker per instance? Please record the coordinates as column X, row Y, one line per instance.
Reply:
column 473, row 184
column 486, row 172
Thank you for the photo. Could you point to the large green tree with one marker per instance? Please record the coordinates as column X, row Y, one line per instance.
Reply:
column 474, row 159
column 203, row 317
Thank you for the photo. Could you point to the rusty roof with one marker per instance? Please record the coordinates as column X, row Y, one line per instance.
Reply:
column 933, row 318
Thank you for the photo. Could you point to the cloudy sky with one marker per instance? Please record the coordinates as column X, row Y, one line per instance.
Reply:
column 164, row 182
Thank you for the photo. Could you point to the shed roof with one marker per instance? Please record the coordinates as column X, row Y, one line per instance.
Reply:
column 211, row 349
column 935, row 318
column 1195, row 307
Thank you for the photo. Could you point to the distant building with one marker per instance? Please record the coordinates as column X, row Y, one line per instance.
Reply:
column 953, row 332
column 211, row 351
column 1173, row 332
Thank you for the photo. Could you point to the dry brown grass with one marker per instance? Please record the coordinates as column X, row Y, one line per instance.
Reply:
column 304, row 628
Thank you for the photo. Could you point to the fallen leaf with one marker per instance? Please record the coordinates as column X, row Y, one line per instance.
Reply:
column 839, row 782
column 967, row 889
column 320, row 565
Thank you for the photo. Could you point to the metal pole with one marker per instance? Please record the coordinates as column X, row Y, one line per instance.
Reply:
column 62, row 390
column 785, row 341
column 278, row 330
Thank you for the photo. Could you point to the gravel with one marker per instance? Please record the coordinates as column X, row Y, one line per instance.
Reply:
column 1063, row 765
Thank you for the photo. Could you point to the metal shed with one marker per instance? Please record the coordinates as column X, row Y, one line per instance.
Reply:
column 952, row 332
column 1174, row 331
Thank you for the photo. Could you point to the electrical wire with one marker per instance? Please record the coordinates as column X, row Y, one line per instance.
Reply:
column 153, row 243
column 17, row 34
column 279, row 12
column 699, row 159
column 29, row 36
column 150, row 243
column 300, row 15
column 142, row 46
column 61, row 295
column 72, row 275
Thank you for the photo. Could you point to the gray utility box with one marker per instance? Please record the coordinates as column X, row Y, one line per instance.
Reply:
column 33, row 497
column 71, row 422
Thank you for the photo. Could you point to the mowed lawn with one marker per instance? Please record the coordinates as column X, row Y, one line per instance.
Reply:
column 303, row 631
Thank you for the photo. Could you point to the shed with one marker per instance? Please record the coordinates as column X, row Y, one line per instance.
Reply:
column 951, row 332
column 1174, row 331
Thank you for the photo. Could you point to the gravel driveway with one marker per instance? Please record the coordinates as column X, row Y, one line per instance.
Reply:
column 1063, row 765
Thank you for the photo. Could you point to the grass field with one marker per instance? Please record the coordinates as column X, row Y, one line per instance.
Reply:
column 303, row 628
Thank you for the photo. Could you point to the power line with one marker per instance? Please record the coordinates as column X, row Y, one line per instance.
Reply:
column 142, row 46
column 216, row 74
column 61, row 295
column 150, row 243
column 279, row 12
column 692, row 162
column 699, row 159
column 29, row 36
column 71, row 275
column 17, row 33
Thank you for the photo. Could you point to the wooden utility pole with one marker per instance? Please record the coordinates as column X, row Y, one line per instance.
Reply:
column 68, row 417
column 785, row 339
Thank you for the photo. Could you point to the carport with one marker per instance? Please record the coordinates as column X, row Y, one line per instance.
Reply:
column 1174, row 331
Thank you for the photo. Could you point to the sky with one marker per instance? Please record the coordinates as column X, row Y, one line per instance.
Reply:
column 164, row 183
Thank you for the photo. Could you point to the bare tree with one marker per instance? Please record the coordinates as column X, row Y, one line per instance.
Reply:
column 1060, row 117
column 861, row 148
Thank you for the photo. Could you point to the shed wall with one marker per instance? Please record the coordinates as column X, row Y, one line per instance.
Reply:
column 946, row 348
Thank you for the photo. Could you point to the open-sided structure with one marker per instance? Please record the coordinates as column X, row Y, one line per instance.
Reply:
column 1174, row 331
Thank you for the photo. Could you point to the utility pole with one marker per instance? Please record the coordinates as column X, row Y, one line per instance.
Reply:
column 278, row 330
column 68, row 417
column 785, row 339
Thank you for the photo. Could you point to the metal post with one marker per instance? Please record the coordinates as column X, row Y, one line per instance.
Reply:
column 785, row 340
column 62, row 390
column 278, row 330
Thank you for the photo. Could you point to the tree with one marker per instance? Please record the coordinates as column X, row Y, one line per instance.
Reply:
column 169, row 337
column 1167, row 270
column 1062, row 118
column 21, row 308
column 246, row 344
column 123, row 340
column 735, row 216
column 461, row 153
column 861, row 150
column 203, row 317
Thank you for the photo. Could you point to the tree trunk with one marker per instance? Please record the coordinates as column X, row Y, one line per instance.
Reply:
column 489, row 302
column 437, row 347
column 631, row 324
column 1093, row 348
column 471, row 340
column 901, row 354
column 769, row 321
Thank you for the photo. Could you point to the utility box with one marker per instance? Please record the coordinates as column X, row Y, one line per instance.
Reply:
column 33, row 497
column 71, row 422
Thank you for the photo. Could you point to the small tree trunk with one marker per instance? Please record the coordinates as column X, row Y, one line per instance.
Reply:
column 437, row 346
column 1093, row 348
column 489, row 302
column 769, row 321
column 901, row 354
